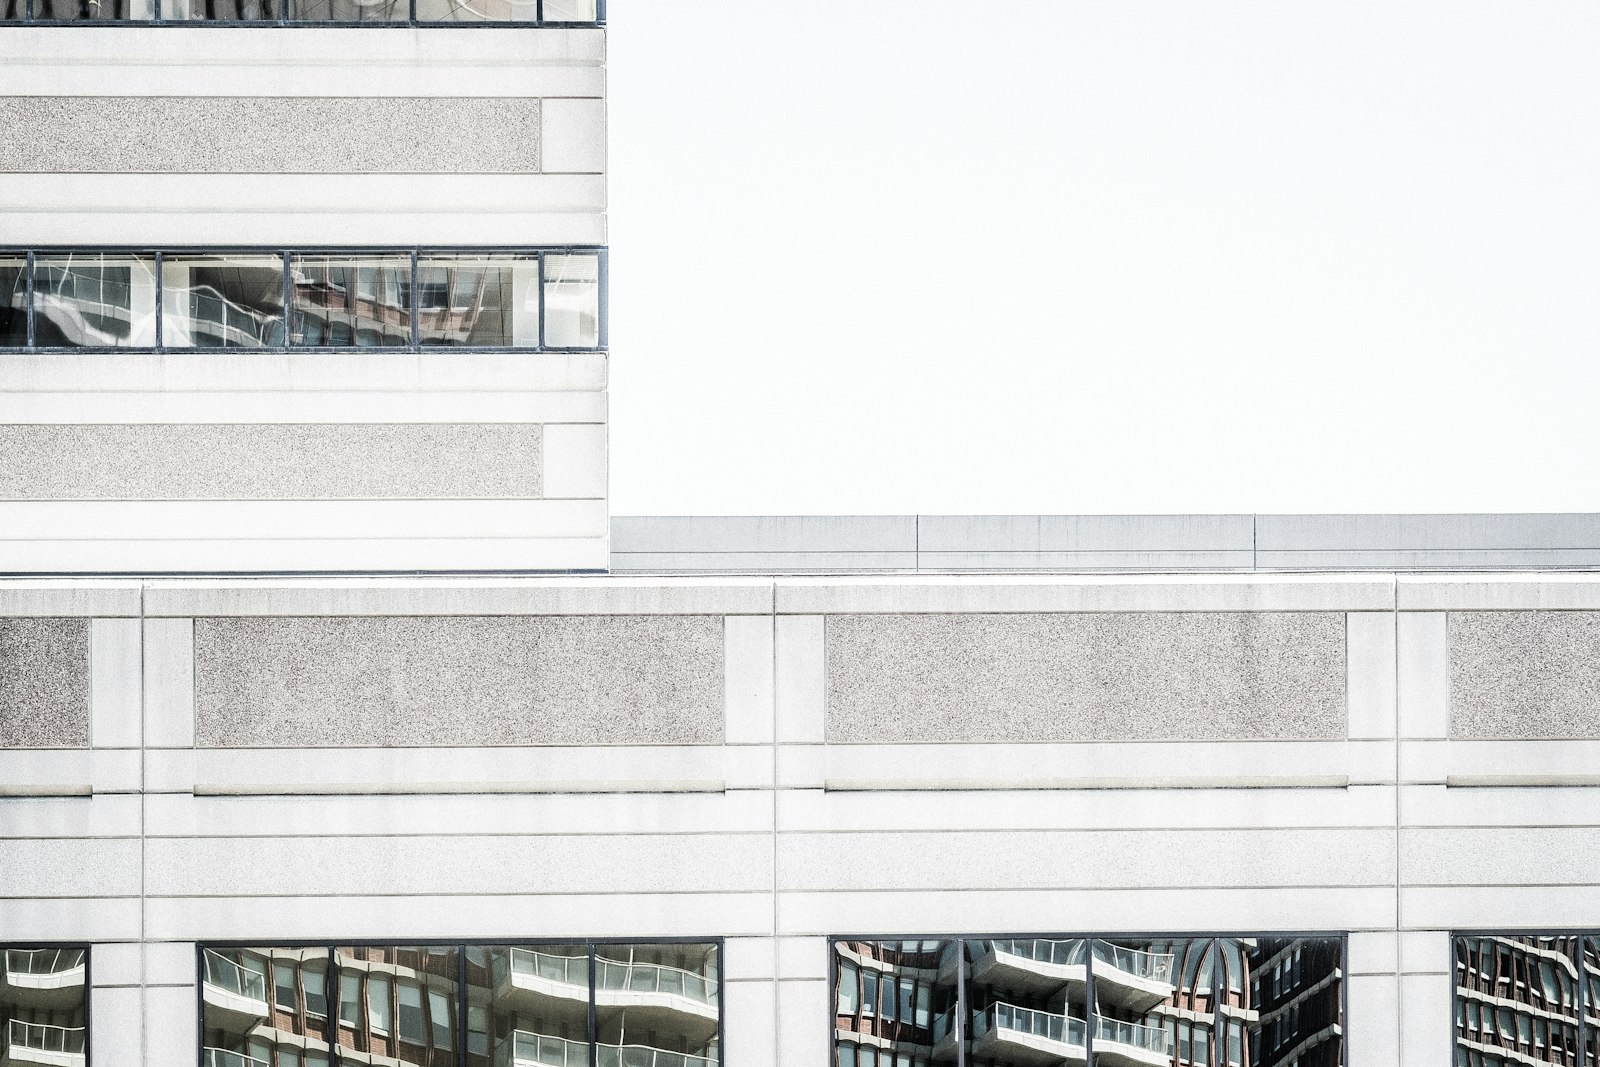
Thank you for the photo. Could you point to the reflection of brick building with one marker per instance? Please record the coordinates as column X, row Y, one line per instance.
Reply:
column 1518, row 1000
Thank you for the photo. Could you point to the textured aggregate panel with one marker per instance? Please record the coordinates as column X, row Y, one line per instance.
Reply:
column 1086, row 677
column 271, row 461
column 44, row 683
column 564, row 680
column 1524, row 674
column 254, row 135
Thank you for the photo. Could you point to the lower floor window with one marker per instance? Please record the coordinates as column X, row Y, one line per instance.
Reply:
column 44, row 1005
column 1192, row 1001
column 1526, row 998
column 633, row 1004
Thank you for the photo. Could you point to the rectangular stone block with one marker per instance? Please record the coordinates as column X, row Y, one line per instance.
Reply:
column 1524, row 675
column 44, row 683
column 344, row 681
column 1081, row 677
column 241, row 135
column 303, row 461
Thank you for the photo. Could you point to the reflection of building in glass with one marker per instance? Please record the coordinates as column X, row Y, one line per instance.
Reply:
column 44, row 1007
column 1526, row 998
column 650, row 1005
column 546, row 12
column 94, row 301
column 1026, row 1002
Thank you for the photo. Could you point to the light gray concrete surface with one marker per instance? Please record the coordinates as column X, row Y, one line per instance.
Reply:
column 935, row 543
column 458, row 681
column 1524, row 674
column 44, row 683
column 271, row 461
column 287, row 135
column 1092, row 676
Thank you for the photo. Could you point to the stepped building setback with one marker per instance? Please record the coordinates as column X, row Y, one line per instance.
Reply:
column 342, row 724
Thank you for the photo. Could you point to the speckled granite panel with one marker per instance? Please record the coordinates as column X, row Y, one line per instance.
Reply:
column 633, row 680
column 1086, row 677
column 1524, row 675
column 266, row 462
column 44, row 683
column 278, row 135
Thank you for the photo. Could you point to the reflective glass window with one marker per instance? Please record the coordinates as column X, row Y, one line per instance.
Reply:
column 1518, row 997
column 486, row 301
column 571, row 10
column 242, row 1019
column 81, row 10
column 676, row 985
column 13, row 301
column 92, row 300
column 222, row 301
column 904, row 1005
column 478, row 10
column 43, row 1005
column 529, row 1004
column 391, row 989
column 572, row 301
column 351, row 301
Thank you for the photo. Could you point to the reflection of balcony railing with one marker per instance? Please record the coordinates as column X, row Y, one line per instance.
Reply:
column 41, row 1037
column 1155, row 1039
column 1060, row 953
column 526, row 1049
column 655, row 978
column 43, row 960
column 221, row 1057
column 1155, row 966
column 230, row 977
column 1062, row 1029
column 568, row 970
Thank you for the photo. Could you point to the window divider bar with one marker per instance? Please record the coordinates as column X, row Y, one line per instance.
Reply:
column 602, row 300
column 288, row 298
column 1088, row 997
column 594, row 1014
column 463, row 1004
column 160, row 299
column 416, row 292
column 1218, row 991
column 541, row 283
column 29, row 286
column 963, row 1003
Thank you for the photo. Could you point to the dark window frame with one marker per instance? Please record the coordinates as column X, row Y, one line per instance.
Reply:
column 1218, row 1050
column 414, row 346
column 461, row 1003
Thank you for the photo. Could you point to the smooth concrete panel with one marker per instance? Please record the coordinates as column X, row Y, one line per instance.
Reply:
column 441, row 865
column 34, row 920
column 69, row 598
column 1422, row 674
column 573, row 140
column 750, row 1023
column 1370, row 682
column 266, row 461
column 1086, row 859
column 171, row 1021
column 57, row 868
column 1093, row 676
column 1500, row 856
column 115, row 683
column 241, row 135
column 748, row 701
column 107, row 815
column 459, row 681
column 116, row 1036
column 800, row 680
column 1373, row 1023
column 44, row 682
column 1519, row 675
column 801, row 1042
column 169, row 683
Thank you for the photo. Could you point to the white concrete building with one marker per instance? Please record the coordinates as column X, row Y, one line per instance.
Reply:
column 296, row 315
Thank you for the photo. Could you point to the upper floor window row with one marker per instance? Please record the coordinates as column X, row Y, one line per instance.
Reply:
column 310, row 12
column 526, row 299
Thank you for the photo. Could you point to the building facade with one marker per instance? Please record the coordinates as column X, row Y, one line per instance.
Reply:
column 339, row 724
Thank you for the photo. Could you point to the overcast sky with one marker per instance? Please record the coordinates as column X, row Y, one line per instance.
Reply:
column 1104, row 256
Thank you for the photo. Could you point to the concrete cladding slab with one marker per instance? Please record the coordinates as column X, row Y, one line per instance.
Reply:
column 301, row 461
column 280, row 135
column 1089, row 676
column 324, row 682
column 44, row 683
column 1524, row 675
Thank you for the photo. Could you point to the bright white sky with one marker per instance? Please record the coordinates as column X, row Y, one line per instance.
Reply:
column 1104, row 256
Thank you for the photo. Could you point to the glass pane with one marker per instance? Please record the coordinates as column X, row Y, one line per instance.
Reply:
column 1589, row 960
column 82, row 10
column 1142, row 989
column 572, row 301
column 13, row 301
column 570, row 10
column 488, row 301
column 43, row 1005
column 1295, row 986
column 89, row 300
column 477, row 10
column 351, row 301
column 657, row 1004
column 400, row 987
column 1024, row 996
column 1517, row 997
column 253, row 998
column 294, row 10
column 892, row 996
column 222, row 301
column 528, row 1005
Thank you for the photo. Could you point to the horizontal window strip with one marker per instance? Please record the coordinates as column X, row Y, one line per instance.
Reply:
column 385, row 299
column 376, row 13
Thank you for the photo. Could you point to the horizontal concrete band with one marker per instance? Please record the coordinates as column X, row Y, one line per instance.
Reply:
column 362, row 135
column 271, row 461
